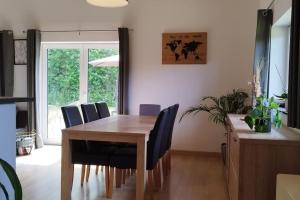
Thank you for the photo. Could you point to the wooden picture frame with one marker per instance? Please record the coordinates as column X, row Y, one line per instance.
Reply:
column 184, row 48
column 20, row 51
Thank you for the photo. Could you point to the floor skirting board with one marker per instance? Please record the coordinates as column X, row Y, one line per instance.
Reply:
column 195, row 153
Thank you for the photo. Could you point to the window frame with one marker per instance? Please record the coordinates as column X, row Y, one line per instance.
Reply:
column 83, row 86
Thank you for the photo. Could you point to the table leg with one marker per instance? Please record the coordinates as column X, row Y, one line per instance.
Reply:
column 66, row 168
column 141, row 168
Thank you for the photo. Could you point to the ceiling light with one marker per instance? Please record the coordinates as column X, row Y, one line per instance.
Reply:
column 108, row 3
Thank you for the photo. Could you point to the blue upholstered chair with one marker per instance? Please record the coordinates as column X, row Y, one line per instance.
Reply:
column 149, row 109
column 80, row 152
column 102, row 110
column 125, row 158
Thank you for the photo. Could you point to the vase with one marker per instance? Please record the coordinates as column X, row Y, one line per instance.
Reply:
column 263, row 125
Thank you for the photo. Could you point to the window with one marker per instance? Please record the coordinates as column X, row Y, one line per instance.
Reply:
column 279, row 59
column 74, row 73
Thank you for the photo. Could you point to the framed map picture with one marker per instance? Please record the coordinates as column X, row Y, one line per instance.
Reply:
column 184, row 48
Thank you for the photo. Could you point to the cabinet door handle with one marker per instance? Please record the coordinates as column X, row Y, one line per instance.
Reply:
column 234, row 139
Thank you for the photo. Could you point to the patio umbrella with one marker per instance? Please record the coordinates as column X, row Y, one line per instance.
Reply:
column 111, row 61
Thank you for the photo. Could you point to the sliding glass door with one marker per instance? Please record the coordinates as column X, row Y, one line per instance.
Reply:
column 75, row 74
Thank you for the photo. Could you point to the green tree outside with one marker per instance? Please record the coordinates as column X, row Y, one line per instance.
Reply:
column 64, row 76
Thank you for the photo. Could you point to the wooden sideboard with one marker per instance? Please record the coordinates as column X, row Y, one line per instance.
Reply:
column 255, row 159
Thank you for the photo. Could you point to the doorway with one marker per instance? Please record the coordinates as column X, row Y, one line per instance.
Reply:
column 76, row 73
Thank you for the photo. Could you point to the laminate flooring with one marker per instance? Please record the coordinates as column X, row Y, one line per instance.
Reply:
column 193, row 177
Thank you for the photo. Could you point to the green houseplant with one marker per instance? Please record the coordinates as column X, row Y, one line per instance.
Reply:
column 218, row 108
column 14, row 180
column 263, row 115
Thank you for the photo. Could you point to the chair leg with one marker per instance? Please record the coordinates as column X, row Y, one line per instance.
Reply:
column 82, row 174
column 107, row 180
column 164, row 165
column 111, row 182
column 123, row 175
column 118, row 178
column 97, row 169
column 127, row 174
column 88, row 169
column 157, row 176
column 150, row 183
column 169, row 161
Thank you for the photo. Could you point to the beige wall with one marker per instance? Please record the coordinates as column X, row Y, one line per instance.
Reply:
column 231, row 28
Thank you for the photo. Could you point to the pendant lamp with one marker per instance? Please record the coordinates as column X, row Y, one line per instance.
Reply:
column 108, row 3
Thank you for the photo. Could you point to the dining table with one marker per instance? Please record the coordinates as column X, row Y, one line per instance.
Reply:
column 118, row 128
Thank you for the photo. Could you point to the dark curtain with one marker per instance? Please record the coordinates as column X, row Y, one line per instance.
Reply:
column 261, row 63
column 33, row 63
column 294, row 68
column 123, row 70
column 6, row 63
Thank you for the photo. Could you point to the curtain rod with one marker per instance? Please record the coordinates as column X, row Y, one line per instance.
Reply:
column 78, row 31
column 271, row 4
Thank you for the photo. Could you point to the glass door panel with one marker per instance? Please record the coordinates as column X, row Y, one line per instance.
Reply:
column 103, row 72
column 63, row 74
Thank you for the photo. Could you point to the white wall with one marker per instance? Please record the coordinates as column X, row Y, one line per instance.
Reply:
column 231, row 28
column 231, row 36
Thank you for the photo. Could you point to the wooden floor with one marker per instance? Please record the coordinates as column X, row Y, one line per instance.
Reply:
column 192, row 178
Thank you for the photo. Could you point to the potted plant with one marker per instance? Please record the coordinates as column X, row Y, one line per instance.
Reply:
column 263, row 115
column 219, row 108
column 14, row 180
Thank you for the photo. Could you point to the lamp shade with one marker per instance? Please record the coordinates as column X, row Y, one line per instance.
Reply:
column 108, row 3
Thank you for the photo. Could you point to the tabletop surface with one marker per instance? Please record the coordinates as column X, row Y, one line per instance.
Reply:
column 125, row 124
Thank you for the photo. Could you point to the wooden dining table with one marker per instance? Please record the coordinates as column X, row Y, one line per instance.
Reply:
column 118, row 128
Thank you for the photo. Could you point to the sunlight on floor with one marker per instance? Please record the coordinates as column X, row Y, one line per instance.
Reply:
column 46, row 156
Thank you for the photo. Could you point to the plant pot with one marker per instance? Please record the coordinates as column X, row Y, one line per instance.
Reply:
column 263, row 125
column 223, row 152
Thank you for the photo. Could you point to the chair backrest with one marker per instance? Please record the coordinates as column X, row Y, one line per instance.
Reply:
column 166, row 133
column 72, row 117
column 154, row 143
column 149, row 109
column 102, row 109
column 89, row 112
column 174, row 110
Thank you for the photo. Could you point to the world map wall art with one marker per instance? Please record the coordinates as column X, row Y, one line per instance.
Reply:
column 184, row 48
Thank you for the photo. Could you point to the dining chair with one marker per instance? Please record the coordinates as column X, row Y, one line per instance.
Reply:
column 80, row 151
column 90, row 114
column 149, row 109
column 72, row 117
column 165, row 153
column 126, row 158
column 102, row 110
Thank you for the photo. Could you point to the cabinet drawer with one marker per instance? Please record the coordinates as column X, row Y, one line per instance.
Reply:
column 234, row 151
